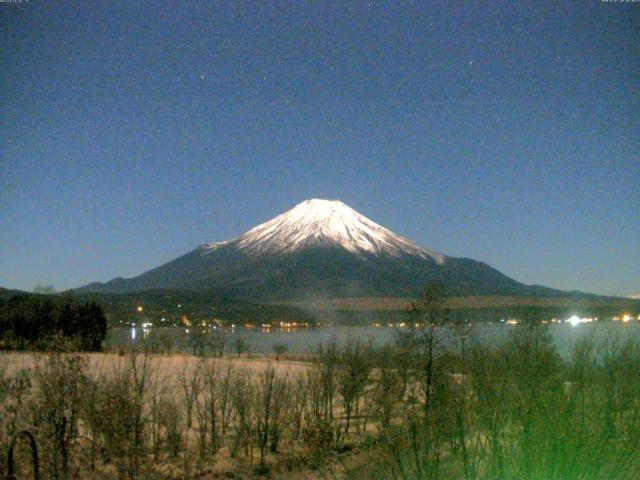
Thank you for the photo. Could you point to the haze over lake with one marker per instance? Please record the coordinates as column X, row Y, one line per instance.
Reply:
column 306, row 341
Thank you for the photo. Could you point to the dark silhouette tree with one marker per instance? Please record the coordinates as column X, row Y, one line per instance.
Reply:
column 30, row 320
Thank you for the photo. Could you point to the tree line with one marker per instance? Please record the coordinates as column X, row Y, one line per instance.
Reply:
column 31, row 321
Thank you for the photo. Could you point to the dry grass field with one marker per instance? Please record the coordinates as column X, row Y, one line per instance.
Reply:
column 167, row 366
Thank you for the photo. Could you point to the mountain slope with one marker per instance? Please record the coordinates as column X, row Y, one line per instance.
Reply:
column 320, row 248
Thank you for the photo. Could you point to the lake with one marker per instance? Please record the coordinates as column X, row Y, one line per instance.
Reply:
column 303, row 341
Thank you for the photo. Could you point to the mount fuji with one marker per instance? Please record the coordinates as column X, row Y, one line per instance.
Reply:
column 320, row 248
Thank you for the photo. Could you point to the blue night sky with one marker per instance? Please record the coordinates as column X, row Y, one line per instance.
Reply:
column 508, row 132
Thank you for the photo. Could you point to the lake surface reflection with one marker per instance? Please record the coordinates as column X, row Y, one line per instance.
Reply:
column 304, row 341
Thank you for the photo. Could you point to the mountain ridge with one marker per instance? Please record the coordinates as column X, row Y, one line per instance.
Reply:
column 321, row 248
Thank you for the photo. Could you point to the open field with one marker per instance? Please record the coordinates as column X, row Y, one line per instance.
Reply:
column 169, row 366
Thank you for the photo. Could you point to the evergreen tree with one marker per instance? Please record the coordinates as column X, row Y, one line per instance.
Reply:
column 26, row 320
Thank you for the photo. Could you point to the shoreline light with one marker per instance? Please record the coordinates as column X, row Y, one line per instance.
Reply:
column 575, row 320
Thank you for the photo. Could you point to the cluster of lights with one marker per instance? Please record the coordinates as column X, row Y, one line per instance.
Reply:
column 393, row 325
column 576, row 320
column 281, row 325
column 292, row 324
column 146, row 329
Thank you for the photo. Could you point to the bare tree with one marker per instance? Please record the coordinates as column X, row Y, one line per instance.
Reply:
column 429, row 313
column 191, row 384
column 59, row 381
column 271, row 398
column 352, row 377
column 242, row 392
column 298, row 405
column 387, row 388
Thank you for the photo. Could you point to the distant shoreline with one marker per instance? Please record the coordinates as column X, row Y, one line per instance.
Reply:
column 394, row 303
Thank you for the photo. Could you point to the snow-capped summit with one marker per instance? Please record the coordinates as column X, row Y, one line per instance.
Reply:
column 325, row 223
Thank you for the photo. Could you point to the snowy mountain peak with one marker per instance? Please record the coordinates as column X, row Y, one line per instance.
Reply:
column 319, row 222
